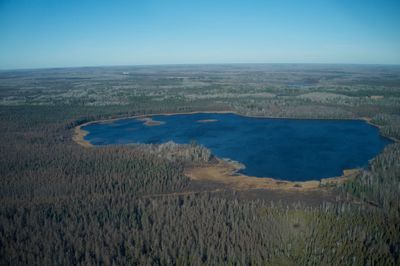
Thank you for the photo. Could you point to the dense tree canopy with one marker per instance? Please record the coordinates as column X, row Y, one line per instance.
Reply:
column 65, row 204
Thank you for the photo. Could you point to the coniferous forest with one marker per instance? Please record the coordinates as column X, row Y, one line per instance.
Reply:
column 64, row 204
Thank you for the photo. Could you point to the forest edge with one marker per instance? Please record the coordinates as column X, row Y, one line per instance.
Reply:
column 226, row 172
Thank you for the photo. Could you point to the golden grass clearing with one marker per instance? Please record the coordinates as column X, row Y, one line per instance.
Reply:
column 79, row 137
column 226, row 173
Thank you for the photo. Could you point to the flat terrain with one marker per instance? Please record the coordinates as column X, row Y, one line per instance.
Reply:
column 62, row 203
column 287, row 149
column 225, row 173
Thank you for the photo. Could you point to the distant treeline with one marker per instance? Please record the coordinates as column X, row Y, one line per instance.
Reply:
column 64, row 204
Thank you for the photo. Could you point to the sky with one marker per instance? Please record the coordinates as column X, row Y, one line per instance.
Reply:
column 57, row 33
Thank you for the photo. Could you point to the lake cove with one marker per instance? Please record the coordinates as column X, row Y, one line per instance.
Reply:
column 286, row 149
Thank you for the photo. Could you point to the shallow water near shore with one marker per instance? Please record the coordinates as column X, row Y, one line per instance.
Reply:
column 287, row 149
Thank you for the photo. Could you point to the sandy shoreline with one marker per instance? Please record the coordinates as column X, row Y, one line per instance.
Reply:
column 226, row 172
column 79, row 133
column 79, row 137
column 369, row 121
column 110, row 120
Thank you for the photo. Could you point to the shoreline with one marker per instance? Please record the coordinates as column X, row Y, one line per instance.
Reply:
column 142, row 117
column 79, row 137
column 369, row 122
column 109, row 120
column 227, row 172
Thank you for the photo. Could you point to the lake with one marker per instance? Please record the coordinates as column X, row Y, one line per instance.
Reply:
column 288, row 149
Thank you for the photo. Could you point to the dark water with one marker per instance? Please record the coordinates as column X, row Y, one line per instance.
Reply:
column 281, row 148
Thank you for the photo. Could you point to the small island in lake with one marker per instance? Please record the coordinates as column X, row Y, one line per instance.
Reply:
column 284, row 149
column 207, row 121
column 148, row 121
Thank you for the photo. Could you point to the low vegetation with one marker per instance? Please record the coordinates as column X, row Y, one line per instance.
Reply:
column 65, row 204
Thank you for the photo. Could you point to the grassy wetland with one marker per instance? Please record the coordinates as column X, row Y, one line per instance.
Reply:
column 62, row 203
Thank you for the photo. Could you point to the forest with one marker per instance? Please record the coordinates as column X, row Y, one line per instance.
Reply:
column 64, row 204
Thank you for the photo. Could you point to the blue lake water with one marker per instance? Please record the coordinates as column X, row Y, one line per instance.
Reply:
column 287, row 149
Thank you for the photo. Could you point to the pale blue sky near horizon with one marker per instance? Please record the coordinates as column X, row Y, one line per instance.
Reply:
column 51, row 33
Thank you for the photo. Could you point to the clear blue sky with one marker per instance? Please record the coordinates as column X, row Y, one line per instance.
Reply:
column 60, row 33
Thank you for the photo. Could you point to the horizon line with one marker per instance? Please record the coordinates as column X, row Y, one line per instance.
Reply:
column 195, row 64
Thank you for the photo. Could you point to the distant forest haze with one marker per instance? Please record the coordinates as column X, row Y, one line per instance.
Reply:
column 64, row 204
column 65, row 65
